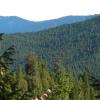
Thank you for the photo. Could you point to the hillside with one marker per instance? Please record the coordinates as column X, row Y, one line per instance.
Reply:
column 77, row 45
column 12, row 24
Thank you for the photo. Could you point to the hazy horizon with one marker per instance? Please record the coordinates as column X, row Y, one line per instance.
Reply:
column 39, row 10
column 45, row 19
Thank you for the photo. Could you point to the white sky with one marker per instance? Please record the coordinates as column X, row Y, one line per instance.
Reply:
column 48, row 9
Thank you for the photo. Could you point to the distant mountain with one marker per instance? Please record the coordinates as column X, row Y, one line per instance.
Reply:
column 12, row 24
column 77, row 45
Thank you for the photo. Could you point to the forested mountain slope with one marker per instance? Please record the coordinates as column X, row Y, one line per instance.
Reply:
column 77, row 45
column 12, row 24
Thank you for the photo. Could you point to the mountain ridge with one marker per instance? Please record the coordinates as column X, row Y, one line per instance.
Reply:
column 13, row 24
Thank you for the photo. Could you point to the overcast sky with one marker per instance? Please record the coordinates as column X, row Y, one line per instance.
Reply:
column 48, row 9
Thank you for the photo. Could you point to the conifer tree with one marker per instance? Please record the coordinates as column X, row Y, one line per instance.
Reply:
column 7, row 81
column 82, row 89
column 95, row 83
column 22, row 84
column 33, row 77
column 38, row 77
column 46, row 79
column 63, row 83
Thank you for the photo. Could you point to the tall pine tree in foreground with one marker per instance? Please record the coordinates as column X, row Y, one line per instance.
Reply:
column 38, row 77
column 63, row 82
column 22, row 84
column 8, row 89
column 33, row 76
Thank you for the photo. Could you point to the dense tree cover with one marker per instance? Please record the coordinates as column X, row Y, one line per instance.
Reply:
column 78, row 45
column 35, row 79
column 68, row 49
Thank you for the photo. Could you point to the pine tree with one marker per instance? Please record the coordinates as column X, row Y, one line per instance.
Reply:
column 63, row 83
column 21, row 81
column 33, row 77
column 7, row 81
column 95, row 83
column 46, row 79
column 82, row 89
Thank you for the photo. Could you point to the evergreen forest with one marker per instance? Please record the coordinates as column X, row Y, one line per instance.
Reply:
column 60, row 63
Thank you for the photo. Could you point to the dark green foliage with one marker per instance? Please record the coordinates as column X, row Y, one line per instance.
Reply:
column 1, row 34
column 7, row 81
column 32, row 71
column 75, row 45
column 22, row 84
column 78, row 45
column 64, row 85
column 68, row 88
column 38, row 76
column 95, row 83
